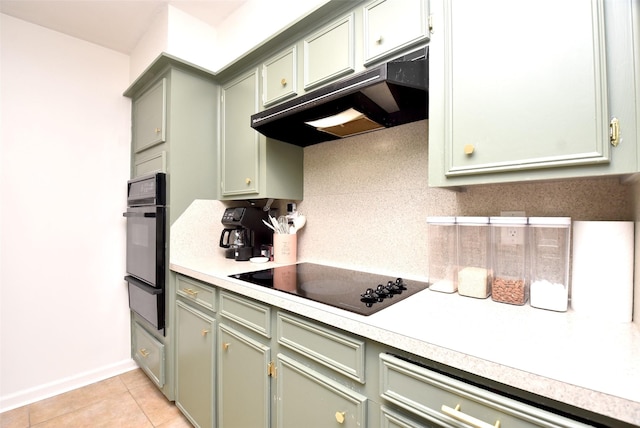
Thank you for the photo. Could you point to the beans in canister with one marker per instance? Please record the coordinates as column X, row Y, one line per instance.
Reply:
column 509, row 291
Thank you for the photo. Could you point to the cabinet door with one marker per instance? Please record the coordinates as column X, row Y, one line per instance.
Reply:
column 239, row 142
column 393, row 25
column 195, row 364
column 309, row 399
column 149, row 117
column 329, row 53
column 522, row 88
column 279, row 77
column 243, row 381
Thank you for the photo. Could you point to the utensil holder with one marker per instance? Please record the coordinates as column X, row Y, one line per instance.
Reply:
column 285, row 248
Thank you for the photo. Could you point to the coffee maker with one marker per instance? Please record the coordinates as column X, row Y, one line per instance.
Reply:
column 244, row 234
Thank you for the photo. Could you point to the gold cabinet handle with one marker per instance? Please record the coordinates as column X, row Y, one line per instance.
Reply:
column 469, row 149
column 191, row 292
column 467, row 419
column 614, row 133
column 225, row 346
column 143, row 352
column 283, row 82
column 379, row 40
column 272, row 369
column 158, row 130
column 340, row 417
column 204, row 332
column 247, row 180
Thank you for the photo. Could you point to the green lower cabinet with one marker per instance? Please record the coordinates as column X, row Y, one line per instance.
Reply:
column 390, row 418
column 243, row 386
column 309, row 399
column 195, row 364
column 148, row 352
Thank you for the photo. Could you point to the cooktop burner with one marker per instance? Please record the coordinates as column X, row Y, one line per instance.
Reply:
column 360, row 292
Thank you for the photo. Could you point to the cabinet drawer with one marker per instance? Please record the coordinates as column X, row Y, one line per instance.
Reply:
column 392, row 419
column 393, row 25
column 148, row 352
column 329, row 53
column 308, row 399
column 249, row 313
column 196, row 292
column 426, row 393
column 342, row 353
column 279, row 77
column 144, row 164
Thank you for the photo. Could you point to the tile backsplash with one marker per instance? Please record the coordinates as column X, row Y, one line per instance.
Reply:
column 367, row 198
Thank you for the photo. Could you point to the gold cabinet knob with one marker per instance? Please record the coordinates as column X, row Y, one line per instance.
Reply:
column 340, row 417
column 379, row 40
column 247, row 180
column 468, row 149
column 204, row 332
column 158, row 130
column 225, row 346
column 191, row 292
column 143, row 352
column 283, row 82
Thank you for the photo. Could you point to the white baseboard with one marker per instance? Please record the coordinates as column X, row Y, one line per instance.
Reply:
column 31, row 395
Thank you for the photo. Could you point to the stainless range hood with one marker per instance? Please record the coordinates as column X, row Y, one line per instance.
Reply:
column 391, row 94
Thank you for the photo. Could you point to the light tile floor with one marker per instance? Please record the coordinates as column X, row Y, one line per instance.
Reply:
column 129, row 400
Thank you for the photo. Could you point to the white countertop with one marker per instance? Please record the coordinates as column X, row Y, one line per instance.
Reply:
column 562, row 356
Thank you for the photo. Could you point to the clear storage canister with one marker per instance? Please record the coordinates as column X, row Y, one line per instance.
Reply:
column 442, row 254
column 550, row 238
column 509, row 260
column 474, row 274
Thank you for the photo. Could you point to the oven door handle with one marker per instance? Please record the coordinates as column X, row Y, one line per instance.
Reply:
column 145, row 215
column 144, row 286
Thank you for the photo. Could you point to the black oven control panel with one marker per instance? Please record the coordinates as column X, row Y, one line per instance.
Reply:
column 147, row 190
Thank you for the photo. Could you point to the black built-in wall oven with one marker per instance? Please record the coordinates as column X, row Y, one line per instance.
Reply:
column 146, row 246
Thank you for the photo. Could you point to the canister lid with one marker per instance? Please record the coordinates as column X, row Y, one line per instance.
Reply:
column 472, row 220
column 550, row 221
column 508, row 220
column 441, row 220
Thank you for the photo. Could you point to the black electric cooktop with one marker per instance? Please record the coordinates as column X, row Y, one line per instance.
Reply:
column 360, row 292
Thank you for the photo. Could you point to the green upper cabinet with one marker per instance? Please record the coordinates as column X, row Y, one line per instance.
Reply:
column 391, row 26
column 239, row 142
column 149, row 111
column 174, row 130
column 279, row 77
column 519, row 93
column 149, row 129
column 252, row 166
column 329, row 53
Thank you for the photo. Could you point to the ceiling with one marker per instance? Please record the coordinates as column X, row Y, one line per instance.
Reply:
column 114, row 24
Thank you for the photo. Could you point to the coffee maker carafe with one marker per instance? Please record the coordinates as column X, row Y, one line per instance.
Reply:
column 232, row 240
column 244, row 232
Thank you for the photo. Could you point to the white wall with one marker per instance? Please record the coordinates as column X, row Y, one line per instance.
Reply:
column 152, row 43
column 257, row 21
column 184, row 36
column 64, row 161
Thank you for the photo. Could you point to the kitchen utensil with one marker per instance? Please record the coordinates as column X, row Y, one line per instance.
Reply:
column 299, row 221
column 269, row 225
column 276, row 226
column 284, row 224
